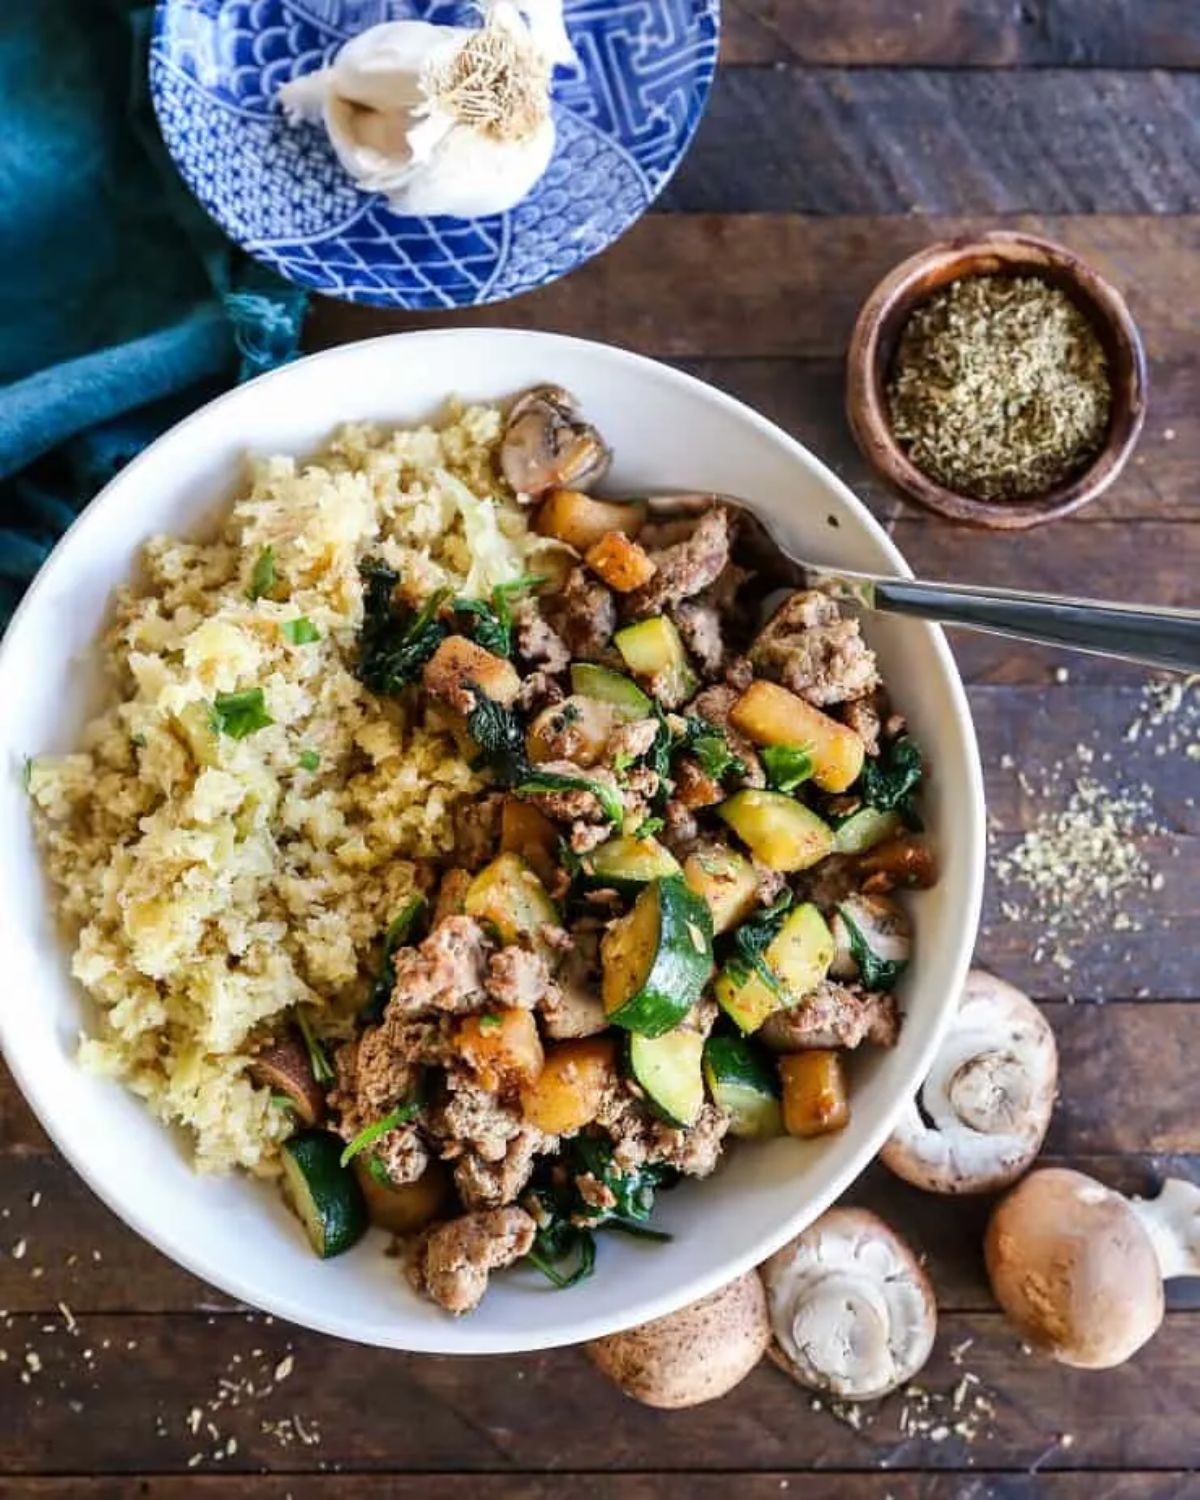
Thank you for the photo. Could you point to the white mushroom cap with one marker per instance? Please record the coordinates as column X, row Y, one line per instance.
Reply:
column 980, row 1117
column 694, row 1355
column 852, row 1310
column 1072, row 1265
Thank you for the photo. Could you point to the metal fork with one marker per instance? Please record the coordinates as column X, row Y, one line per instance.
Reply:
column 1140, row 633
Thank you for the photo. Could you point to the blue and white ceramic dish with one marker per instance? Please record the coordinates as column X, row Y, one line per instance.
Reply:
column 624, row 120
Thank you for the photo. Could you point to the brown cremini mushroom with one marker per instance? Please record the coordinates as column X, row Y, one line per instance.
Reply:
column 851, row 1309
column 981, row 1115
column 694, row 1355
column 1079, row 1269
column 285, row 1069
column 547, row 445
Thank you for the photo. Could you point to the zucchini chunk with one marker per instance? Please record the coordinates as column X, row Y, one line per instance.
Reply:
column 654, row 653
column 725, row 881
column 770, row 715
column 657, row 959
column 814, row 1093
column 668, row 1069
column 744, row 1084
column 863, row 829
column 780, row 831
column 798, row 957
column 621, row 693
column 627, row 864
column 325, row 1195
column 509, row 895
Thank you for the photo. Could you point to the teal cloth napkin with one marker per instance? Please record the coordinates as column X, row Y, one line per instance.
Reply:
column 122, row 305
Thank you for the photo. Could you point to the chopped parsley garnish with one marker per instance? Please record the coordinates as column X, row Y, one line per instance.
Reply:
column 492, row 620
column 876, row 973
column 378, row 1172
column 393, row 647
column 264, row 575
column 138, row 739
column 318, row 1061
column 309, row 760
column 240, row 714
column 401, row 1115
column 27, row 772
column 301, row 631
column 400, row 929
column 650, row 827
column 490, row 1022
column 750, row 941
column 707, row 743
column 890, row 780
column 787, row 766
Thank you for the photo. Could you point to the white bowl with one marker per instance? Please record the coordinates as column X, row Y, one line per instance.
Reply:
column 669, row 431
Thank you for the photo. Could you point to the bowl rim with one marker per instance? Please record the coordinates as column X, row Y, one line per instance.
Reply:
column 904, row 287
column 970, row 826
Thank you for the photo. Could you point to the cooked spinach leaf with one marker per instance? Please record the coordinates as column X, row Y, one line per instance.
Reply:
column 787, row 766
column 309, row 760
column 876, row 973
column 400, row 929
column 890, row 780
column 498, row 733
column 493, row 620
column 393, row 646
column 749, row 942
column 556, row 781
column 564, row 1249
column 240, row 714
column 501, row 740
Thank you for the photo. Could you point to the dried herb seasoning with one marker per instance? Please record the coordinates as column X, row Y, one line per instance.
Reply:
column 1000, row 387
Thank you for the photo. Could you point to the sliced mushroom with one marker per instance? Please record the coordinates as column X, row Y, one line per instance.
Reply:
column 877, row 925
column 1079, row 1269
column 980, row 1117
column 284, row 1068
column 694, row 1355
column 851, row 1309
column 547, row 445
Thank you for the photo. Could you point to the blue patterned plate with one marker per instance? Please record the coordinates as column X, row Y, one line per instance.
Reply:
column 624, row 120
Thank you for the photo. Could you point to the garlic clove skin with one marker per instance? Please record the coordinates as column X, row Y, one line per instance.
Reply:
column 472, row 176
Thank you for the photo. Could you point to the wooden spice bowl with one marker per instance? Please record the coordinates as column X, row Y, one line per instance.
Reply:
column 1004, row 252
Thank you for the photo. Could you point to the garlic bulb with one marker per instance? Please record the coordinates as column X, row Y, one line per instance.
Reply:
column 442, row 119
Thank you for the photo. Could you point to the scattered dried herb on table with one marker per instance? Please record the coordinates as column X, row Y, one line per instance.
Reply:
column 999, row 388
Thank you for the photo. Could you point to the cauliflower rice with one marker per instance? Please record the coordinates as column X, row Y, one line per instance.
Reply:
column 214, row 882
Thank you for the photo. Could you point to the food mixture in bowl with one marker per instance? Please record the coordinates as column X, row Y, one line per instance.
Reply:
column 471, row 852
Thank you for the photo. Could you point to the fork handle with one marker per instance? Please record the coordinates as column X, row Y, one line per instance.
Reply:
column 1132, row 632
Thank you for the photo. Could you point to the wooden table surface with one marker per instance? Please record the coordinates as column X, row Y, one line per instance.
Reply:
column 842, row 134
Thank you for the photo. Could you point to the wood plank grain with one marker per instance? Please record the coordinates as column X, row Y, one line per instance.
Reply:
column 902, row 141
column 806, row 398
column 963, row 33
column 1156, row 562
column 997, row 1485
column 723, row 285
column 379, row 1411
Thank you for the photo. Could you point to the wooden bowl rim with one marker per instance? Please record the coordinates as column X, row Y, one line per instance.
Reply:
column 905, row 287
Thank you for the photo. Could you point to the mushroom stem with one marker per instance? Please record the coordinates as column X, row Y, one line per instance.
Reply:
column 1172, row 1220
